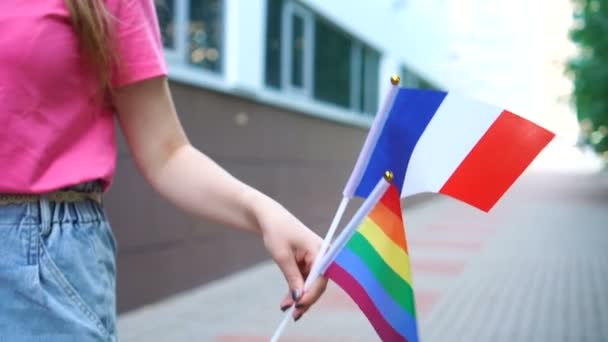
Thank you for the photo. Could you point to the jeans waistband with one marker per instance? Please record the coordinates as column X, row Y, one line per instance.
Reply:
column 60, row 211
column 94, row 186
column 78, row 193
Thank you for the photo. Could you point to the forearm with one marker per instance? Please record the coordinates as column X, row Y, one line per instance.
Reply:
column 178, row 171
column 196, row 184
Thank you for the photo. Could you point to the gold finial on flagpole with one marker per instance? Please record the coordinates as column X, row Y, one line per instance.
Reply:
column 388, row 175
column 395, row 79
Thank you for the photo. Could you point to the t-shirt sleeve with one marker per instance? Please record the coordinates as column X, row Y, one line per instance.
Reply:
column 137, row 41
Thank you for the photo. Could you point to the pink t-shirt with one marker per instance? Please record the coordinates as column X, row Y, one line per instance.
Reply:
column 54, row 133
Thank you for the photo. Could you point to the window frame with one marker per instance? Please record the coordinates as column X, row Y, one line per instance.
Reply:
column 177, row 54
column 291, row 9
column 360, row 98
column 367, row 54
column 356, row 55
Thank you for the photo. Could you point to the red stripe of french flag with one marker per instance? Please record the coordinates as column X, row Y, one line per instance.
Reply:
column 496, row 161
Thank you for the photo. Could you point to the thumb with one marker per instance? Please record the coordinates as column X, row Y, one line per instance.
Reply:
column 288, row 265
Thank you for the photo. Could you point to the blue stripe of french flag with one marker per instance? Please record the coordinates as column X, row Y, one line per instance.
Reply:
column 447, row 143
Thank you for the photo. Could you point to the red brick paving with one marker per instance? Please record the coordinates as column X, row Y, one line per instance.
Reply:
column 255, row 338
column 425, row 300
column 335, row 299
column 462, row 229
column 441, row 267
column 472, row 246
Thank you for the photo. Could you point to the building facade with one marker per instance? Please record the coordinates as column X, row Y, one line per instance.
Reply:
column 278, row 92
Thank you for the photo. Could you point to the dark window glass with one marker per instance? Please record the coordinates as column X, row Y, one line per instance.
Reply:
column 332, row 65
column 273, row 43
column 410, row 80
column 165, row 10
column 206, row 34
column 424, row 84
column 297, row 52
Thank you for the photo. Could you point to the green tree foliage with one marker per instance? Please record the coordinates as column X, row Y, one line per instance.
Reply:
column 589, row 70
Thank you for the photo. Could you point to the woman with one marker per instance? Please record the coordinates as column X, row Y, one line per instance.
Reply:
column 66, row 68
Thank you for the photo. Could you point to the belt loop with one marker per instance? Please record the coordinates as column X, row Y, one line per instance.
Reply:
column 45, row 215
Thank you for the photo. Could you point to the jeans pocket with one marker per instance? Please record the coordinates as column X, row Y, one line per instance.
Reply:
column 81, row 265
column 69, row 292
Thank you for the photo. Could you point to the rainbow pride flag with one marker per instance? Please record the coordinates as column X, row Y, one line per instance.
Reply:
column 374, row 269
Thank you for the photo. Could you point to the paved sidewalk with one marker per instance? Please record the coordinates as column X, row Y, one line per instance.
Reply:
column 534, row 269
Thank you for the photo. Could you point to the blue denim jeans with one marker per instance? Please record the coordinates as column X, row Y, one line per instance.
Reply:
column 57, row 272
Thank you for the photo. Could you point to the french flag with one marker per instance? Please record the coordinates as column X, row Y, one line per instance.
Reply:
column 440, row 142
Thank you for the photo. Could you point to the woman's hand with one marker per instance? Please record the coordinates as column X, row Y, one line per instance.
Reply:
column 294, row 248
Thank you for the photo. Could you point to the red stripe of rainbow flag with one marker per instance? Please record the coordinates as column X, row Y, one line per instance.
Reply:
column 374, row 269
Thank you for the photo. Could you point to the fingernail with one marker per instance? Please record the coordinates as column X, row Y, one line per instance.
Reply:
column 284, row 307
column 297, row 317
column 299, row 306
column 295, row 295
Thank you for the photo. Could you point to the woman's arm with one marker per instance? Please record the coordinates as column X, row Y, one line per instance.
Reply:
column 197, row 185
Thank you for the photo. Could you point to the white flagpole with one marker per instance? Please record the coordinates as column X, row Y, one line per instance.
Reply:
column 372, row 138
column 329, row 236
column 323, row 262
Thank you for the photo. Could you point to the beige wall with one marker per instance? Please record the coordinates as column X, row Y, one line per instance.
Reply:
column 301, row 161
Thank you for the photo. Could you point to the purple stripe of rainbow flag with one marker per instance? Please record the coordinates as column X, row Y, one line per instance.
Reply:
column 374, row 269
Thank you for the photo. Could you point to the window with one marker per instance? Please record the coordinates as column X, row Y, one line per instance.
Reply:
column 308, row 55
column 368, row 92
column 333, row 58
column 273, row 43
column 296, row 54
column 165, row 9
column 205, row 34
column 192, row 31
column 297, row 51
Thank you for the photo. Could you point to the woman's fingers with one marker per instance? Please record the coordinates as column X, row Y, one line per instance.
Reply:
column 287, row 302
column 306, row 300
column 286, row 259
column 310, row 297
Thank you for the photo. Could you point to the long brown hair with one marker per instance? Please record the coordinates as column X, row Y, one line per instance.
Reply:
column 91, row 22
